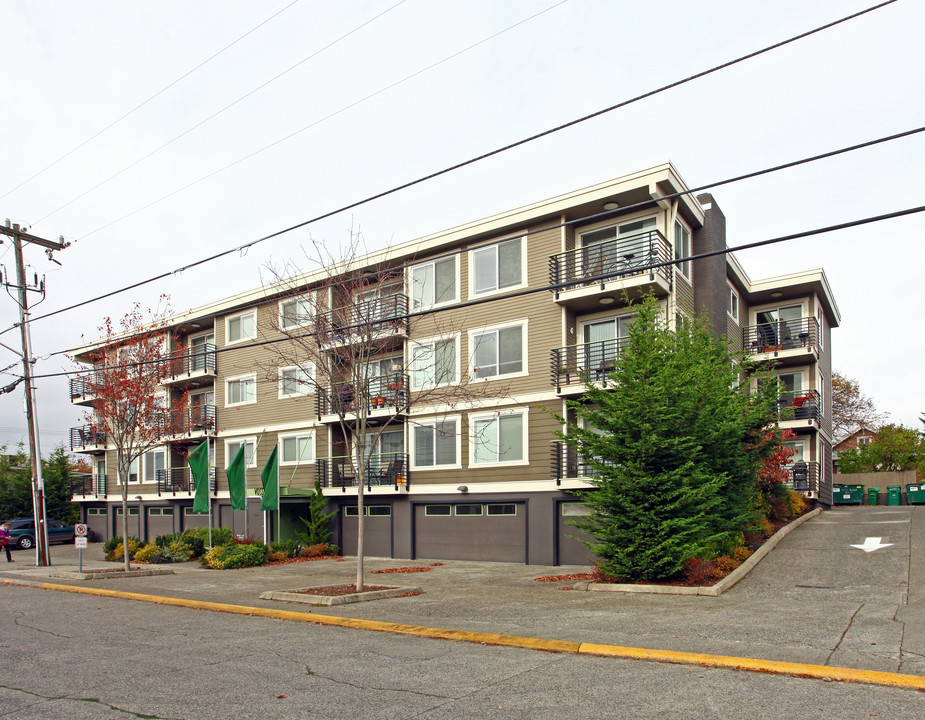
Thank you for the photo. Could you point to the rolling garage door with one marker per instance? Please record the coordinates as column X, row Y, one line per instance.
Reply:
column 471, row 531
column 377, row 527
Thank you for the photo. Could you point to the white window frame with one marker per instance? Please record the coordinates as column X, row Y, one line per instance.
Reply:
column 474, row 440
column 306, row 434
column 431, row 342
column 247, row 440
column 303, row 318
column 433, row 264
column 243, row 338
column 237, row 379
column 820, row 321
column 144, row 463
column 684, row 264
column 495, row 329
column 308, row 370
column 432, row 423
column 136, row 464
column 486, row 248
column 733, row 301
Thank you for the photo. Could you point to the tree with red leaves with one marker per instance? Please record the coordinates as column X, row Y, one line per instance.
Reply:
column 775, row 467
column 132, row 411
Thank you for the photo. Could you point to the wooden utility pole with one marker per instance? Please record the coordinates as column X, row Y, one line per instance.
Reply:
column 38, row 482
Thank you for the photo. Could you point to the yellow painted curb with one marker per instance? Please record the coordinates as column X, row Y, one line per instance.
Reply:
column 873, row 677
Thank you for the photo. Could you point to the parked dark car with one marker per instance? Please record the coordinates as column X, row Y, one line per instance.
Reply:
column 22, row 532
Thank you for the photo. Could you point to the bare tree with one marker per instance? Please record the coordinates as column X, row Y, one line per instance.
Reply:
column 851, row 408
column 345, row 337
column 132, row 411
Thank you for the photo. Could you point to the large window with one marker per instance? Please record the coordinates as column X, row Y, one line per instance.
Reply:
column 154, row 460
column 232, row 447
column 499, row 438
column 498, row 351
column 732, row 307
column 619, row 248
column 241, row 328
column 295, row 312
column 780, row 327
column 296, row 449
column 241, row 390
column 295, row 381
column 434, row 362
column 682, row 247
column 497, row 267
column 436, row 443
column 602, row 342
column 434, row 283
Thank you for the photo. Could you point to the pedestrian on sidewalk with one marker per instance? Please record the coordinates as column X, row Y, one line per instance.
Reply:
column 5, row 540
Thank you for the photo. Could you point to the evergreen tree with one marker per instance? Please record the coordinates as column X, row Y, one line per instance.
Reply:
column 15, row 484
column 673, row 441
column 318, row 522
column 57, row 473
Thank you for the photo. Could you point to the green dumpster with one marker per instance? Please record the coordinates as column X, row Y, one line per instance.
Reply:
column 915, row 494
column 872, row 494
column 848, row 494
column 894, row 495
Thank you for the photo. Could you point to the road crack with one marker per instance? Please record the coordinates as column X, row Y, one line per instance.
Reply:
column 116, row 708
column 844, row 633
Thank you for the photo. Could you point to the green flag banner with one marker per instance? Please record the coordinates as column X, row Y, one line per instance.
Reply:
column 199, row 466
column 235, row 473
column 270, row 482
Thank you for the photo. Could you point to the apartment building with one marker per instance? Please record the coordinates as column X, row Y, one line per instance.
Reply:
column 477, row 333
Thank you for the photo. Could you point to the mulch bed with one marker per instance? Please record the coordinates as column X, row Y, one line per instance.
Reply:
column 403, row 570
column 565, row 578
column 340, row 589
column 290, row 561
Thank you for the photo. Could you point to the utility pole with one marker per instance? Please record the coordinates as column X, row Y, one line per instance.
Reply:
column 38, row 482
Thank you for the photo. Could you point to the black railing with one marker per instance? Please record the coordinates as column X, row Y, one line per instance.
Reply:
column 86, row 436
column 381, row 469
column 383, row 392
column 88, row 485
column 84, row 386
column 197, row 361
column 362, row 319
column 802, row 405
column 194, row 421
column 612, row 260
column 567, row 462
column 804, row 476
column 781, row 335
column 180, row 480
column 587, row 363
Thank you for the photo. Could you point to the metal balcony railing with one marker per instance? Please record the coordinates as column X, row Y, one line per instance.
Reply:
column 194, row 421
column 804, row 476
column 86, row 436
column 89, row 485
column 586, row 363
column 781, row 335
column 612, row 260
column 381, row 469
column 384, row 392
column 567, row 462
column 802, row 405
column 362, row 319
column 180, row 480
column 198, row 361
column 83, row 386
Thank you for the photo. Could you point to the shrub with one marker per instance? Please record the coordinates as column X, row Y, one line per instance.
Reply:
column 146, row 553
column 211, row 558
column 332, row 549
column 117, row 553
column 177, row 551
column 277, row 556
column 286, row 547
column 116, row 540
column 699, row 572
column 239, row 556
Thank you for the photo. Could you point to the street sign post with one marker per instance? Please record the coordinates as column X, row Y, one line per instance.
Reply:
column 80, row 542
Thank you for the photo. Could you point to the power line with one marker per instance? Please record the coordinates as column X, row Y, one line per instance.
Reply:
column 492, row 153
column 549, row 287
column 142, row 104
column 214, row 115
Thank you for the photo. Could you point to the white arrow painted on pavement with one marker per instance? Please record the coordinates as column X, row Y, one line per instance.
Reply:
column 871, row 544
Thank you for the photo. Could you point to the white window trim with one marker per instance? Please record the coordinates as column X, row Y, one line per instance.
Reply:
column 409, row 364
column 296, row 298
column 523, row 323
column 252, row 439
column 475, row 417
column 498, row 291
column 733, row 293
column 753, row 311
column 143, row 465
column 431, row 422
column 238, row 378
column 309, row 387
column 310, row 434
column 820, row 322
column 432, row 263
column 242, row 339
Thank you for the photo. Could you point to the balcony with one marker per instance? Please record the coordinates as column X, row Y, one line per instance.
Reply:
column 799, row 409
column 582, row 275
column 804, row 477
column 85, row 485
column 180, row 480
column 383, row 319
column 82, row 389
column 382, row 469
column 384, row 397
column 86, row 439
column 193, row 424
column 566, row 463
column 784, row 341
column 197, row 366
column 576, row 366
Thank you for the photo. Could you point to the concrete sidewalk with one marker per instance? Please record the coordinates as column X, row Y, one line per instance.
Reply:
column 814, row 599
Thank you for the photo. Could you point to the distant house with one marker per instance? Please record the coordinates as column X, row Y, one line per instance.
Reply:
column 862, row 436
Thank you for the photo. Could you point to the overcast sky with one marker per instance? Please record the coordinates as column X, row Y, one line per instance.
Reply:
column 386, row 91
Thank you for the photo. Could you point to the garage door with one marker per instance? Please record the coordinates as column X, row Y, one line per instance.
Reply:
column 377, row 528
column 160, row 521
column 194, row 520
column 471, row 531
column 96, row 522
column 572, row 552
